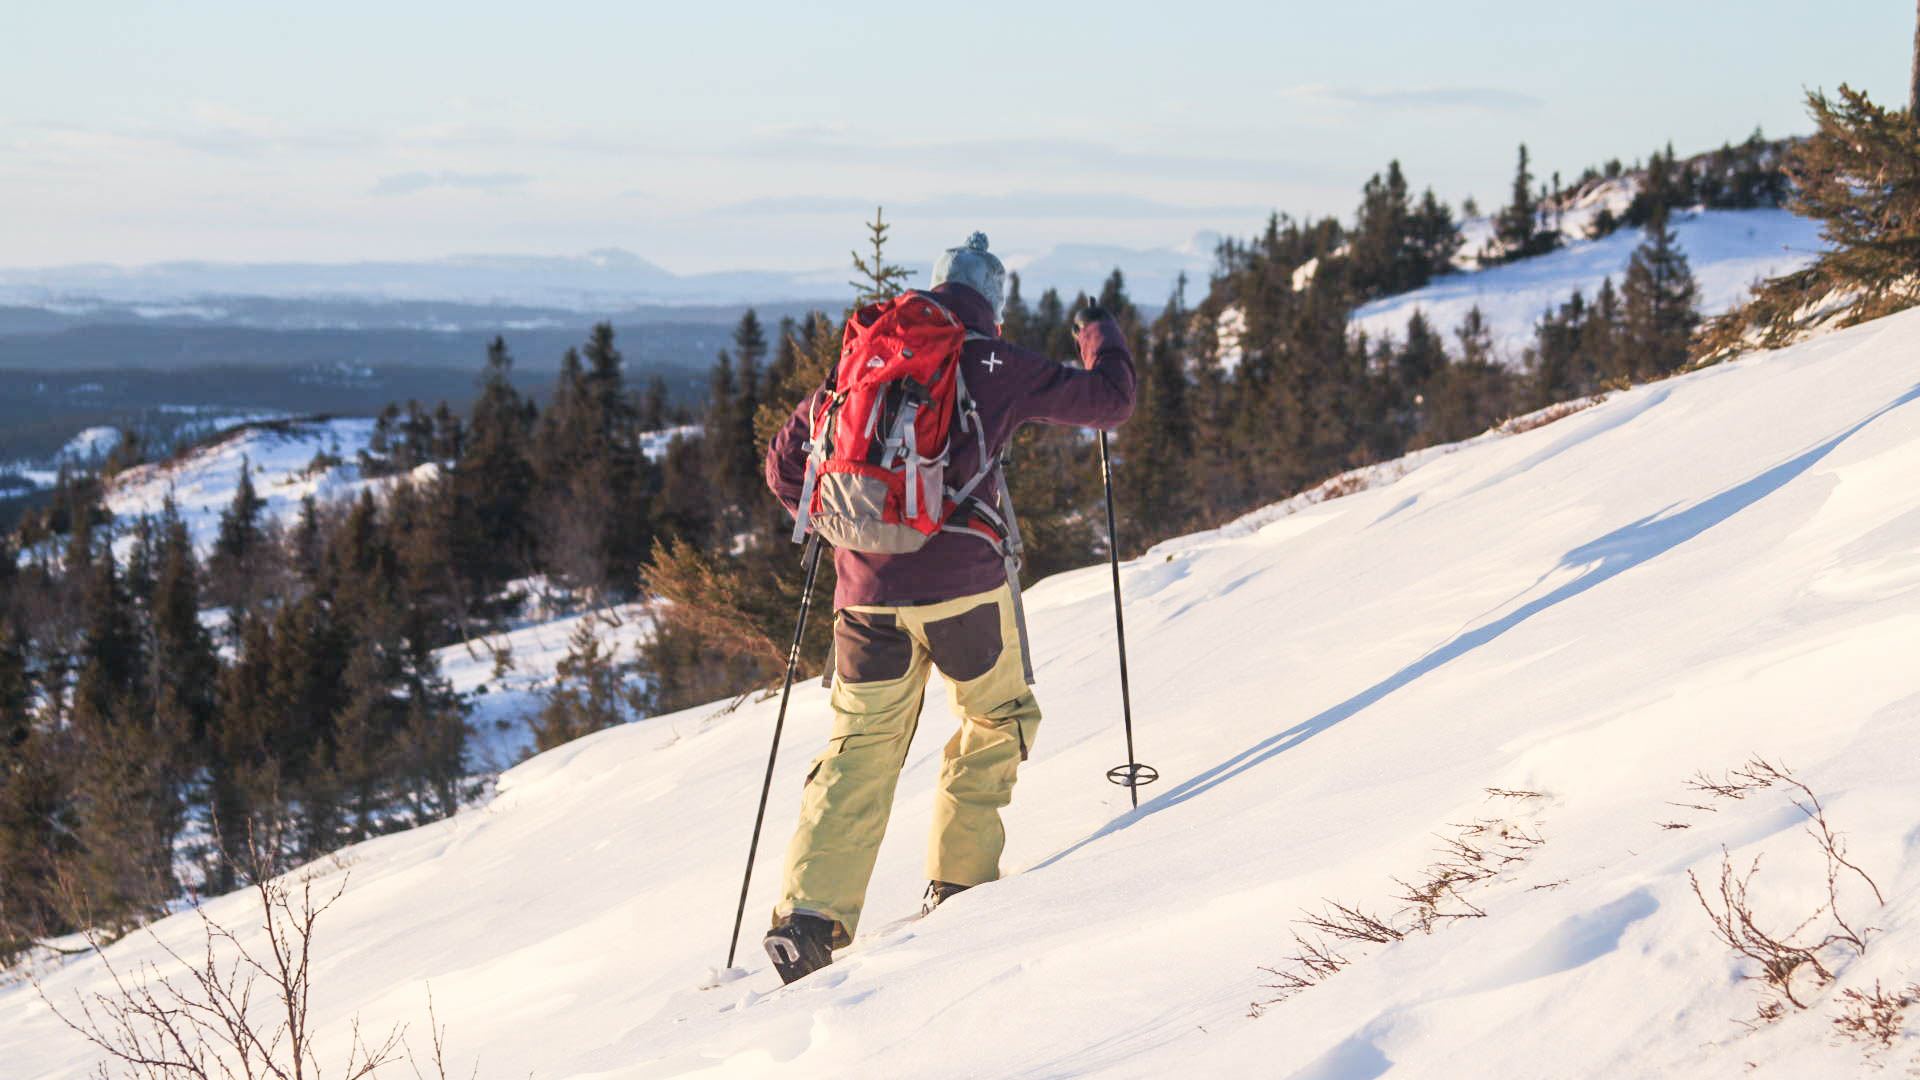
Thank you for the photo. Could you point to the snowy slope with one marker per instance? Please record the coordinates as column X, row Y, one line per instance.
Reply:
column 1688, row 574
column 202, row 483
column 502, row 704
column 1728, row 250
column 281, row 456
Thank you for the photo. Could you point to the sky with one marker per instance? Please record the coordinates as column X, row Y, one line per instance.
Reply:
column 749, row 134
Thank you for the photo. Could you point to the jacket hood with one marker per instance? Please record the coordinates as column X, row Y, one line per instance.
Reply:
column 966, row 302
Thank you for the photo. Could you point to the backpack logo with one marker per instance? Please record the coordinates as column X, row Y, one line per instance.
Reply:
column 992, row 361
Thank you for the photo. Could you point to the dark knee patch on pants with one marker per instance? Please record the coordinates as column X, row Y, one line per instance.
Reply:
column 870, row 647
column 967, row 645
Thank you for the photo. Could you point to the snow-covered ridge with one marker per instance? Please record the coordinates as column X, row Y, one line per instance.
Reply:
column 281, row 456
column 1582, row 615
column 1728, row 250
column 290, row 461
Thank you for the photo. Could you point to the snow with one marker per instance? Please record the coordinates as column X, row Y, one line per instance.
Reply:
column 503, row 706
column 91, row 445
column 1728, row 250
column 654, row 444
column 202, row 483
column 1683, row 576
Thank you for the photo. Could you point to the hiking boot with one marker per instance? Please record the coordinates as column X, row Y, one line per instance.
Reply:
column 937, row 893
column 800, row 945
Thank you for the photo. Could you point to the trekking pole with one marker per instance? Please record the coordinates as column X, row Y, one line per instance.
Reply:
column 1132, row 775
column 780, row 721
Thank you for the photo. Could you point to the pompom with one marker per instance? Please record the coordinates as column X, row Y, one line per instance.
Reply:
column 977, row 242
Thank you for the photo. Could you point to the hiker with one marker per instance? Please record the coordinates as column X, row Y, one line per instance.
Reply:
column 953, row 603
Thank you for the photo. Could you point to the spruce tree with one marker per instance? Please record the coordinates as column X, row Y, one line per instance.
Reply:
column 183, row 666
column 1859, row 176
column 653, row 405
column 1659, row 304
column 738, row 443
column 1518, row 223
column 877, row 279
column 1015, row 316
column 234, row 568
column 492, row 484
column 588, row 694
column 1156, row 446
column 1474, row 392
column 1603, row 351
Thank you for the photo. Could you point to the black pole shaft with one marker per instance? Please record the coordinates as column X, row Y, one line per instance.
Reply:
column 1119, row 620
column 773, row 753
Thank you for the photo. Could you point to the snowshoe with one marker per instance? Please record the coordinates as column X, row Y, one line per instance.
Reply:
column 937, row 893
column 800, row 945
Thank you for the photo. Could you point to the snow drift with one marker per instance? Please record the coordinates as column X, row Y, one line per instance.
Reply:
column 1694, row 572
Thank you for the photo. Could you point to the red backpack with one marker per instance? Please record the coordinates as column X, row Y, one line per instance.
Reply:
column 878, row 441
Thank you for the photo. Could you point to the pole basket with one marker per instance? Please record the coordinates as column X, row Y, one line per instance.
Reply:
column 1133, row 775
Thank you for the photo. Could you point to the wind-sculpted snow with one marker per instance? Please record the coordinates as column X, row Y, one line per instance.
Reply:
column 1679, row 578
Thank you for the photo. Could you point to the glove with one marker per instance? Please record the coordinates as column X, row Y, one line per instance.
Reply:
column 1087, row 316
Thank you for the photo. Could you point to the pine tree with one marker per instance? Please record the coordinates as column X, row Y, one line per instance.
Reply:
column 1015, row 317
column 589, row 691
column 1859, row 176
column 183, row 667
column 1658, row 304
column 653, row 405
column 877, row 279
column 1474, row 392
column 1556, row 369
column 1603, row 351
column 720, row 433
column 1156, row 446
column 741, row 449
column 1517, row 227
column 1396, row 244
column 492, row 485
column 235, row 565
column 1435, row 237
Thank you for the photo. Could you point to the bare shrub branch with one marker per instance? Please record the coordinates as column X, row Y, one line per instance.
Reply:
column 1877, row 1018
column 230, row 1011
column 1785, row 957
column 1509, row 793
column 1480, row 852
column 1343, row 923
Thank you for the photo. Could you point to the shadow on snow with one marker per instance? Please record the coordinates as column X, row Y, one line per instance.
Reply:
column 1604, row 559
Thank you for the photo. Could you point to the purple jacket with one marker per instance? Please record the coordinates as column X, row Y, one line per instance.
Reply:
column 1010, row 386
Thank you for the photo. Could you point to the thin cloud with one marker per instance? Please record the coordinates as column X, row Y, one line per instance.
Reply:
column 408, row 183
column 1019, row 204
column 1030, row 155
column 1483, row 98
column 1490, row 98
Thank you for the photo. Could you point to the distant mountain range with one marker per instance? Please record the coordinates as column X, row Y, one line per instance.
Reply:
column 513, row 289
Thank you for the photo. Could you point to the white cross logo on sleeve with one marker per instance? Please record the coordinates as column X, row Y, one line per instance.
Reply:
column 992, row 361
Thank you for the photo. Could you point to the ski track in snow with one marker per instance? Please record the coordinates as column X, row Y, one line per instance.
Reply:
column 1683, row 576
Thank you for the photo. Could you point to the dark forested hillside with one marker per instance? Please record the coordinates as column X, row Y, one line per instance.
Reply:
column 174, row 718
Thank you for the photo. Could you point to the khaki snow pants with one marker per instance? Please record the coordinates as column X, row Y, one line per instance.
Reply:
column 881, row 658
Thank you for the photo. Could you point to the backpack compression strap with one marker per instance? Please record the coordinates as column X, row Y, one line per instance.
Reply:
column 1002, row 530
